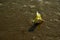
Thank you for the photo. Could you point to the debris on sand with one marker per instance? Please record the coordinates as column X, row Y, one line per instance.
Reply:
column 37, row 21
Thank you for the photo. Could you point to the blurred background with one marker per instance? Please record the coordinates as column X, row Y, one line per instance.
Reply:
column 16, row 18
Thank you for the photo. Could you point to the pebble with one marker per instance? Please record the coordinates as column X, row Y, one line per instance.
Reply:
column 13, row 3
column 49, row 38
column 56, row 20
column 24, row 5
column 34, row 37
column 51, row 19
column 58, row 13
column 58, row 38
column 32, row 6
column 47, row 2
column 47, row 27
column 1, row 4
column 57, row 3
column 40, row 0
column 31, row 0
